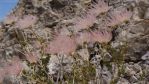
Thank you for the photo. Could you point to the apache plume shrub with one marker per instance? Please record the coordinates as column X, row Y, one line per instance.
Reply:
column 10, row 19
column 26, row 21
column 88, row 19
column 118, row 16
column 2, row 74
column 14, row 67
column 61, row 45
column 83, row 37
column 101, row 36
column 99, row 6
column 84, row 22
column 32, row 57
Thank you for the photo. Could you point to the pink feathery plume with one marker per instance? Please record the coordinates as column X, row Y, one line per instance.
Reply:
column 82, row 37
column 62, row 44
column 2, row 74
column 118, row 16
column 10, row 19
column 101, row 36
column 14, row 67
column 84, row 22
column 32, row 57
column 98, row 7
column 26, row 21
column 89, row 17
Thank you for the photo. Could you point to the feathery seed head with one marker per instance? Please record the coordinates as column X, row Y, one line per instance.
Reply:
column 118, row 16
column 10, row 19
column 84, row 22
column 99, row 6
column 61, row 45
column 32, row 57
column 26, row 21
column 14, row 67
column 83, row 37
column 101, row 36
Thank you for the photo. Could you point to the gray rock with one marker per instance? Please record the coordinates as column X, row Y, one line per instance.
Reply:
column 59, row 63
column 133, row 79
column 146, row 15
column 122, row 81
column 84, row 54
column 136, row 16
column 145, row 56
column 106, row 76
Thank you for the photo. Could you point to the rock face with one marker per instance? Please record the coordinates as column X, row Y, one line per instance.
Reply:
column 68, row 41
